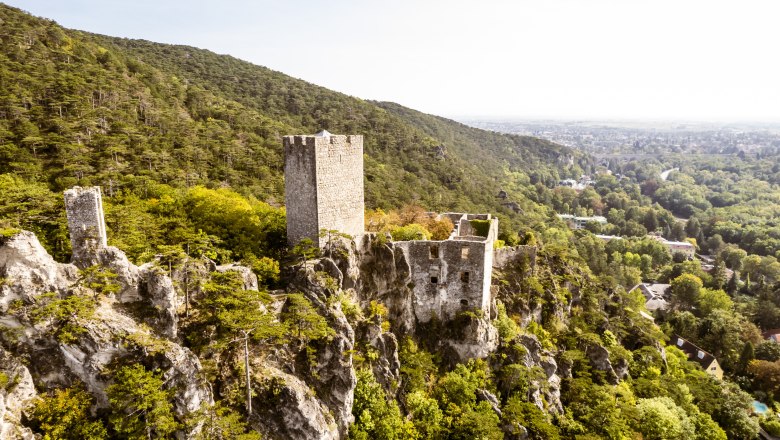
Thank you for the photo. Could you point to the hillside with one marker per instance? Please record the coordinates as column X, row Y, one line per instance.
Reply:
column 79, row 108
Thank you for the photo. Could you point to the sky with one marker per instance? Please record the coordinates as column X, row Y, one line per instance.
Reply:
column 493, row 59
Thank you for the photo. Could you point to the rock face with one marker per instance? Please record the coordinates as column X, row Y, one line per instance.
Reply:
column 536, row 356
column 249, row 278
column 387, row 367
column 25, row 264
column 110, row 333
column 599, row 358
column 379, row 271
column 312, row 397
column 290, row 411
column 477, row 339
column 16, row 395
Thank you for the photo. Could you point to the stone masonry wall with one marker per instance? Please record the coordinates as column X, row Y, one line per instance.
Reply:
column 87, row 227
column 447, row 276
column 323, row 186
column 300, row 194
column 340, row 203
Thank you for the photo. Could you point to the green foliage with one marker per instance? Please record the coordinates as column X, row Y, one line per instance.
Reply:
column 233, row 311
column 507, row 327
column 99, row 279
column 140, row 405
column 418, row 370
column 30, row 205
column 376, row 416
column 6, row 233
column 303, row 320
column 517, row 412
column 459, row 386
column 67, row 315
column 660, row 418
column 221, row 422
column 481, row 227
column 409, row 232
column 768, row 351
column 246, row 226
column 706, row 428
column 686, row 290
column 305, row 250
column 474, row 422
column 425, row 414
column 266, row 269
column 771, row 425
column 711, row 300
column 63, row 414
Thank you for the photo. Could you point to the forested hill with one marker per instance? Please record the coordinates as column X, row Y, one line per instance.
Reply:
column 79, row 108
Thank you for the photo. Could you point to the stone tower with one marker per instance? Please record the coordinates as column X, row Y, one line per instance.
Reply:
column 323, row 179
column 84, row 208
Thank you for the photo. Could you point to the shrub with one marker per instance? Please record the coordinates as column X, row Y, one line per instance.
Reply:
column 413, row 231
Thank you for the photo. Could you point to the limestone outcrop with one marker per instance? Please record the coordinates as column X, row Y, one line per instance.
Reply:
column 28, row 269
column 16, row 394
column 288, row 410
column 330, row 372
column 111, row 333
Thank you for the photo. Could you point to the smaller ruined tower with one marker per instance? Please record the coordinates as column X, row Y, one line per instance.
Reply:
column 84, row 208
column 323, row 179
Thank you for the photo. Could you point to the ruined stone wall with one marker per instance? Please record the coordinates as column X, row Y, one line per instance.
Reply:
column 86, row 225
column 448, row 276
column 323, row 186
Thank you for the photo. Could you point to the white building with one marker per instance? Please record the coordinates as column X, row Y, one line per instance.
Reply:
column 576, row 222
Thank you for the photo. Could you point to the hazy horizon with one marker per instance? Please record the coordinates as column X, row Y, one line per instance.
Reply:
column 600, row 60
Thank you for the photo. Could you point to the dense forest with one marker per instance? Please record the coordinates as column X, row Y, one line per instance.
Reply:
column 186, row 146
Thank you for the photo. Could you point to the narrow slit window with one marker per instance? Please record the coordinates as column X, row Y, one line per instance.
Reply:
column 464, row 277
column 434, row 249
column 464, row 253
column 434, row 280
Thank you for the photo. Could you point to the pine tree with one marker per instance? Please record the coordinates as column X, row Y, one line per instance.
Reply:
column 140, row 405
column 733, row 285
column 239, row 316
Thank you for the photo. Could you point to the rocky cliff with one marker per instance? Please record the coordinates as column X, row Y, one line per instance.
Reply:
column 108, row 334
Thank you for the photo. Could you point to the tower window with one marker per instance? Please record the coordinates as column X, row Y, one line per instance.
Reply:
column 434, row 250
column 464, row 277
column 464, row 302
column 464, row 253
column 434, row 280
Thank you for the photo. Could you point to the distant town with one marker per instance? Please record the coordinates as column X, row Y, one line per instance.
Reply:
column 625, row 137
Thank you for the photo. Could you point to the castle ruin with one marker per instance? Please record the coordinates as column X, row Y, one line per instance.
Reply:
column 324, row 191
column 323, row 178
column 87, row 227
column 452, row 275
